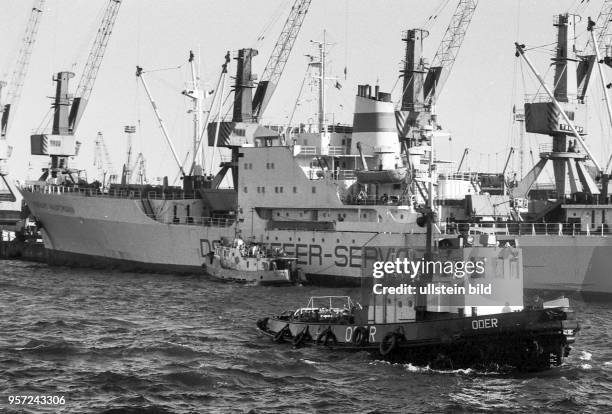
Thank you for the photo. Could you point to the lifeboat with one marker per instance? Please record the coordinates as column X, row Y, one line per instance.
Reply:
column 381, row 176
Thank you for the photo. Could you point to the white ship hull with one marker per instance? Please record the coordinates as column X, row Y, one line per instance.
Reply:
column 115, row 233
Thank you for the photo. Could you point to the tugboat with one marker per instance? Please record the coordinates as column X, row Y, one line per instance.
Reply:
column 250, row 263
column 466, row 312
column 442, row 331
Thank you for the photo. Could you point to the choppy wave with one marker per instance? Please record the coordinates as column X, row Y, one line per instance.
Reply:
column 138, row 343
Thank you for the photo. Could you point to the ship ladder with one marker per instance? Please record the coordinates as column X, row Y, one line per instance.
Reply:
column 147, row 207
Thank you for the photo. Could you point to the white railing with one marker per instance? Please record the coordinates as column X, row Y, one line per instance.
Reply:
column 317, row 174
column 314, row 150
column 112, row 193
column 527, row 229
column 196, row 221
column 392, row 200
column 463, row 176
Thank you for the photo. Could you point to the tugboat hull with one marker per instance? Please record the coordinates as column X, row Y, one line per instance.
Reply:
column 262, row 277
column 529, row 340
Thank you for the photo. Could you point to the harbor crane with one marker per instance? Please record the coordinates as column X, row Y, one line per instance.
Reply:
column 140, row 168
column 601, row 40
column 102, row 161
column 448, row 50
column 422, row 85
column 15, row 85
column 416, row 118
column 280, row 54
column 68, row 109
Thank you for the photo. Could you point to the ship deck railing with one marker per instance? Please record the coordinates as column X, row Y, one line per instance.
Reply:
column 219, row 221
column 372, row 200
column 318, row 174
column 334, row 150
column 527, row 229
column 111, row 193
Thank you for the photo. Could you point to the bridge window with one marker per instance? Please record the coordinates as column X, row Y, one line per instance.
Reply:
column 246, row 190
column 314, row 190
column 295, row 189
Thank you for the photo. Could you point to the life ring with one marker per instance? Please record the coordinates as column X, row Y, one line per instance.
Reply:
column 301, row 337
column 535, row 349
column 360, row 336
column 389, row 343
column 280, row 335
column 327, row 336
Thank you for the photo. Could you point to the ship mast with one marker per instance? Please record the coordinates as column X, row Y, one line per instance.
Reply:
column 321, row 77
column 196, row 95
column 322, row 127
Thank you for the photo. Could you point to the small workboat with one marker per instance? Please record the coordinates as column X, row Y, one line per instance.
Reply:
column 443, row 331
column 243, row 262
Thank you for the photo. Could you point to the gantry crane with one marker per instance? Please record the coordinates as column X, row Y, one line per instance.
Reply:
column 276, row 63
column 102, row 161
column 15, row 85
column 68, row 110
column 140, row 168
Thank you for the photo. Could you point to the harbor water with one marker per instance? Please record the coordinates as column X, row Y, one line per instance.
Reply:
column 111, row 342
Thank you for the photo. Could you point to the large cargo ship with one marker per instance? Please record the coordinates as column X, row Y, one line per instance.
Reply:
column 321, row 193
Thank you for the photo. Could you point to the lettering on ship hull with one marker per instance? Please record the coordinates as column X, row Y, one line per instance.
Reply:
column 314, row 254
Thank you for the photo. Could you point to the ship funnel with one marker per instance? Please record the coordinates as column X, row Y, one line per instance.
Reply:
column 374, row 127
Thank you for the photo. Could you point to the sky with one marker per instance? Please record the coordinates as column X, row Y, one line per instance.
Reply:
column 364, row 36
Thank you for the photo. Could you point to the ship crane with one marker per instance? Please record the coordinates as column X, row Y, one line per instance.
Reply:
column 15, row 85
column 276, row 63
column 68, row 109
